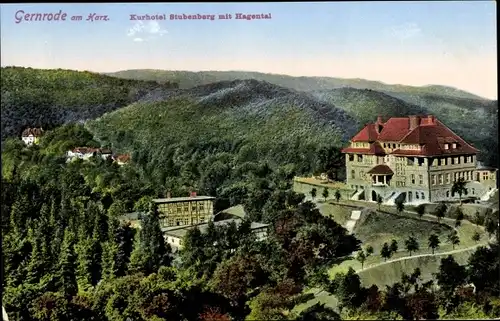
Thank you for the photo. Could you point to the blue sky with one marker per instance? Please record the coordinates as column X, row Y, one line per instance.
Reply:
column 414, row 43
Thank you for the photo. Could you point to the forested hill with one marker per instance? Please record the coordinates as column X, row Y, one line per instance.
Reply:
column 48, row 98
column 244, row 121
column 189, row 79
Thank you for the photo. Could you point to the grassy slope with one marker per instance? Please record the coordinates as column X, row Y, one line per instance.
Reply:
column 392, row 272
column 267, row 116
column 188, row 79
column 381, row 227
column 48, row 98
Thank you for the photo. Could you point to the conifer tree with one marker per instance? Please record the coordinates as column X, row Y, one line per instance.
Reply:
column 68, row 265
column 124, row 240
column 83, row 273
column 150, row 251
column 136, row 263
column 36, row 267
column 108, row 260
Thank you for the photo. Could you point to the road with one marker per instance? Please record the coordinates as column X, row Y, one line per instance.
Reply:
column 421, row 255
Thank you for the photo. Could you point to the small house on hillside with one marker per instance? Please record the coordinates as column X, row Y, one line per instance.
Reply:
column 86, row 153
column 134, row 219
column 31, row 136
column 122, row 159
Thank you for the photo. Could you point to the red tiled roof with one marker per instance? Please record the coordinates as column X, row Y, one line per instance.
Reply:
column 429, row 133
column 374, row 149
column 367, row 134
column 381, row 170
column 394, row 129
column 36, row 132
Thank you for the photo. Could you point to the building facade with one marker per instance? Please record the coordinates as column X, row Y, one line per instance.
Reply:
column 414, row 157
column 184, row 211
column 31, row 136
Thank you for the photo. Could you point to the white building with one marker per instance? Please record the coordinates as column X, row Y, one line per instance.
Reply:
column 86, row 153
column 31, row 136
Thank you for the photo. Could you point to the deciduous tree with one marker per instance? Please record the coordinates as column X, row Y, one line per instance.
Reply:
column 433, row 242
column 385, row 252
column 411, row 244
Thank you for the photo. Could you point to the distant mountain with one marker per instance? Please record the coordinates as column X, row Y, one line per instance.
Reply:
column 189, row 79
column 365, row 104
column 49, row 98
column 280, row 124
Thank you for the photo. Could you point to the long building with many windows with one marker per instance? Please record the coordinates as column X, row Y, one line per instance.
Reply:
column 184, row 211
column 415, row 157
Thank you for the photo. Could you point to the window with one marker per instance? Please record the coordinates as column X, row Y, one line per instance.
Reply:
column 353, row 174
column 194, row 207
column 421, row 161
column 433, row 179
column 446, row 146
column 361, row 174
column 360, row 158
column 385, row 145
column 485, row 176
column 458, row 159
column 452, row 161
column 473, row 191
column 393, row 146
column 445, row 161
column 421, row 179
column 447, row 193
column 455, row 177
column 351, row 157
column 422, row 195
column 440, row 179
column 439, row 161
column 466, row 159
column 201, row 207
column 413, row 178
column 410, row 161
column 448, row 178
column 186, row 208
column 186, row 221
column 417, row 196
column 454, row 145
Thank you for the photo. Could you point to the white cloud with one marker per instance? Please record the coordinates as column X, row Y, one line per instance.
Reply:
column 144, row 31
column 406, row 31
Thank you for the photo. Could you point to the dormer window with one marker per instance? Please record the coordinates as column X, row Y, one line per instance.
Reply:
column 454, row 145
column 446, row 146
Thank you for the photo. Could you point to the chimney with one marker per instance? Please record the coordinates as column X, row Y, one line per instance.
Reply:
column 379, row 124
column 431, row 119
column 168, row 194
column 414, row 122
column 193, row 194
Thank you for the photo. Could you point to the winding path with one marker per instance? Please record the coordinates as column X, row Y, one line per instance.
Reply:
column 421, row 255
